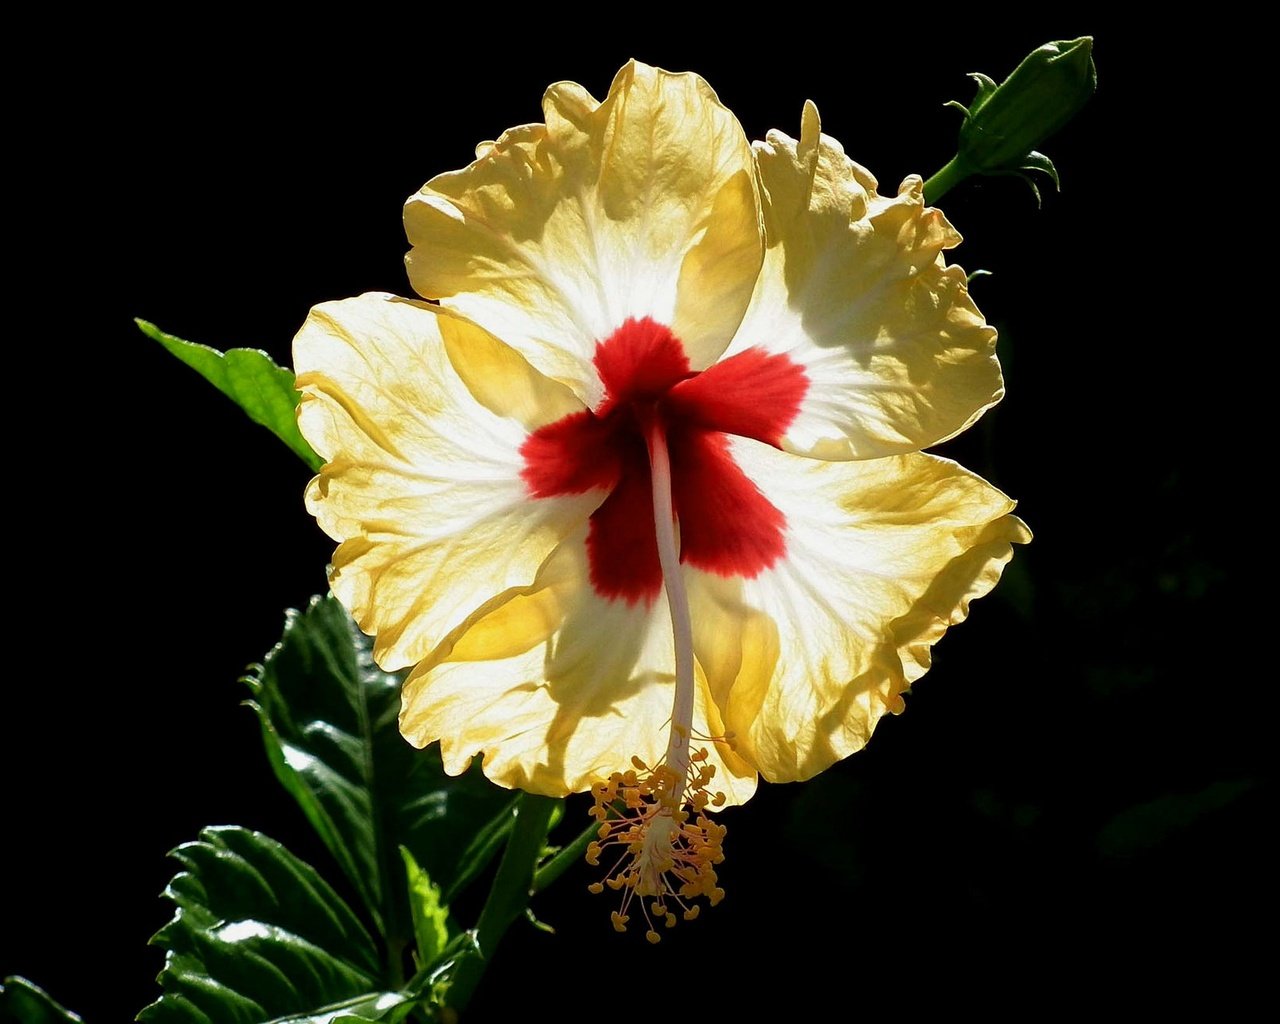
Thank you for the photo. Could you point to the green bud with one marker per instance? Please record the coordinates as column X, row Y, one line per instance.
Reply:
column 1005, row 123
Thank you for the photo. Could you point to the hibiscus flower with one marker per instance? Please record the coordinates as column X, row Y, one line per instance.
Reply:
column 643, row 477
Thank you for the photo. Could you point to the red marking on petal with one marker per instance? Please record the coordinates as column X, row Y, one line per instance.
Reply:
column 641, row 360
column 752, row 394
column 622, row 546
column 726, row 525
column 570, row 456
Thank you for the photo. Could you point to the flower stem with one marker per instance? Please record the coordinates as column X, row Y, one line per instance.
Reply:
column 664, row 522
column 509, row 894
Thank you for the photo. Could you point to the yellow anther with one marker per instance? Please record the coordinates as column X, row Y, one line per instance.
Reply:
column 668, row 845
column 653, row 936
column 717, row 800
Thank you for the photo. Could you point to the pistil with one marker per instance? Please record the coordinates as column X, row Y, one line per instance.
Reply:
column 655, row 815
column 664, row 522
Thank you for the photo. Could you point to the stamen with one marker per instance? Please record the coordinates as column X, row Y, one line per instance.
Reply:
column 666, row 860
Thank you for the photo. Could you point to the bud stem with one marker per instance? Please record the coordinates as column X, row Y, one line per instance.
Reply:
column 945, row 179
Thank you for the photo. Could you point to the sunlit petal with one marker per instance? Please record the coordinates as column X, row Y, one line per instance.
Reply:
column 643, row 205
column 882, row 556
column 422, row 484
column 856, row 291
column 556, row 687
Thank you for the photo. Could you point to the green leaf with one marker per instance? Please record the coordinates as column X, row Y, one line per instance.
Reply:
column 1163, row 821
column 259, row 936
column 22, row 1001
column 433, row 981
column 482, row 848
column 249, row 378
column 430, row 916
column 329, row 722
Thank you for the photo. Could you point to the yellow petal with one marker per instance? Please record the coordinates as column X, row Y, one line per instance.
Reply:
column 556, row 688
column 882, row 556
column 856, row 290
column 420, row 417
column 643, row 205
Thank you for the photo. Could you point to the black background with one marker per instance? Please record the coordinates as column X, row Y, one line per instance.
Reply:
column 1070, row 809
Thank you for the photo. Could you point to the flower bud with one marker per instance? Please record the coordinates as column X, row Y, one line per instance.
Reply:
column 1005, row 123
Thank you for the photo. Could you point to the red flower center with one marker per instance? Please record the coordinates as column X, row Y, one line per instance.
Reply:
column 726, row 525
